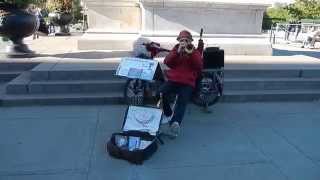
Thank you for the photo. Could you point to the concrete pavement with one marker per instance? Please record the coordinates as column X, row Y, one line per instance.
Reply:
column 238, row 141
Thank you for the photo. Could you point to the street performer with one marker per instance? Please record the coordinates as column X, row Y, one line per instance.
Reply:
column 185, row 63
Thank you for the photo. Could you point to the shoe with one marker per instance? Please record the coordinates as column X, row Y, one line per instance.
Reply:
column 166, row 119
column 175, row 129
column 165, row 129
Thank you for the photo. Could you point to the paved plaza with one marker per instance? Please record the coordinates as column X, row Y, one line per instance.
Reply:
column 237, row 141
column 66, row 47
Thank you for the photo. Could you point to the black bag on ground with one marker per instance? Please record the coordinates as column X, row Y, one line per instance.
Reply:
column 134, row 156
column 138, row 140
column 213, row 57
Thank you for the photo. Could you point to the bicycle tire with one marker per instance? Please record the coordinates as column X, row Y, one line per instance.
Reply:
column 134, row 92
column 208, row 91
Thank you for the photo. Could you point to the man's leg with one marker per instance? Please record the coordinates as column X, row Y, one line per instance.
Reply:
column 166, row 90
column 184, row 95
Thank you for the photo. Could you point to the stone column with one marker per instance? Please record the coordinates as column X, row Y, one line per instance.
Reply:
column 114, row 15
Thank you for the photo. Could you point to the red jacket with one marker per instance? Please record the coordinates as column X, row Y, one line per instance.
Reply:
column 183, row 69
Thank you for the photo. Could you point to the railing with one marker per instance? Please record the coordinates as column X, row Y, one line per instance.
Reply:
column 288, row 28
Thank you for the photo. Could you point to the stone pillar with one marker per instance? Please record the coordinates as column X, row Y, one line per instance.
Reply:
column 216, row 17
column 114, row 16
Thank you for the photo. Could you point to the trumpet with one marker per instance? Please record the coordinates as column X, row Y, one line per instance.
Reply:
column 186, row 48
column 189, row 49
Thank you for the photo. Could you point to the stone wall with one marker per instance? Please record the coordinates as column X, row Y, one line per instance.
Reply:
column 114, row 16
column 170, row 16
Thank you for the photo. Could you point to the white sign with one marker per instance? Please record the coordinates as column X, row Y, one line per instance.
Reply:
column 143, row 119
column 137, row 68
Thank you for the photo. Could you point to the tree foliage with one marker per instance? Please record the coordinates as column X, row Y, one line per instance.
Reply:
column 300, row 9
column 59, row 5
column 22, row 3
column 305, row 9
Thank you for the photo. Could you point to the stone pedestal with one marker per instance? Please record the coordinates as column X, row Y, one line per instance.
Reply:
column 115, row 25
column 224, row 17
column 114, row 16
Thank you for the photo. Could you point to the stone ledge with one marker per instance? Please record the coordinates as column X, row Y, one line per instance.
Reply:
column 98, row 3
column 233, row 45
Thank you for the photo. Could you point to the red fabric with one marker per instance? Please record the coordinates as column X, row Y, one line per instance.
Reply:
column 183, row 69
column 153, row 48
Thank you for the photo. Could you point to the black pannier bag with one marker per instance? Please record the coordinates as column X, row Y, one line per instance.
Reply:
column 138, row 140
column 213, row 57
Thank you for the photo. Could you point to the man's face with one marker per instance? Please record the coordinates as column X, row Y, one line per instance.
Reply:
column 184, row 42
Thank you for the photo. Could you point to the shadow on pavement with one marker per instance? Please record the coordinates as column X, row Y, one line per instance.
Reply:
column 93, row 55
column 282, row 52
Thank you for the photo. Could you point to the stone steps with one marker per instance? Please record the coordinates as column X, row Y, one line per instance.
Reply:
column 16, row 65
column 117, row 97
column 270, row 95
column 10, row 70
column 272, row 73
column 74, row 71
column 24, row 86
column 6, row 76
column 58, row 87
column 95, row 83
column 63, row 99
column 240, row 84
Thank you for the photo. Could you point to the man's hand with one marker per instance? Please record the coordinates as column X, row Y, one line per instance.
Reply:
column 200, row 44
column 182, row 47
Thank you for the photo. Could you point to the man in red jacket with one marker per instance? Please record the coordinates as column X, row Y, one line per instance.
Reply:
column 185, row 63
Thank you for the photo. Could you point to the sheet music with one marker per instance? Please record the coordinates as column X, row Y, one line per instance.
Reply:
column 137, row 68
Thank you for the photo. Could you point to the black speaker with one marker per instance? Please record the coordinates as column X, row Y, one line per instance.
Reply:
column 213, row 57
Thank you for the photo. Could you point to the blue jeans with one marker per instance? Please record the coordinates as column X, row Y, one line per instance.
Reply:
column 184, row 93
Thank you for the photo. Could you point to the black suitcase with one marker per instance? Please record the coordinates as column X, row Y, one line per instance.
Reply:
column 139, row 139
column 213, row 58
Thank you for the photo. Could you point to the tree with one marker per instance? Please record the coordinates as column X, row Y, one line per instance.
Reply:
column 275, row 15
column 23, row 3
column 59, row 5
column 305, row 9
column 300, row 9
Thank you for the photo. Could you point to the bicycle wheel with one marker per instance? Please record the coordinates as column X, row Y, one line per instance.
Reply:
column 209, row 90
column 134, row 92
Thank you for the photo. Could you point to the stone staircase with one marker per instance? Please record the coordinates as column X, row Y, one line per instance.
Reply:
column 271, row 85
column 69, row 83
column 95, row 83
column 11, row 69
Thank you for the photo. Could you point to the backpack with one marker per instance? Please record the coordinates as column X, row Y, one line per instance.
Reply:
column 213, row 57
